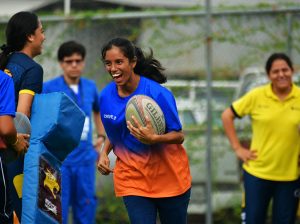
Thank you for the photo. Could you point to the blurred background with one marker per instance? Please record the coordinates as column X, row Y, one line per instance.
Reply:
column 213, row 51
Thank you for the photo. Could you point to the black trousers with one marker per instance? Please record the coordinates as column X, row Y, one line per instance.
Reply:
column 6, row 211
column 15, row 168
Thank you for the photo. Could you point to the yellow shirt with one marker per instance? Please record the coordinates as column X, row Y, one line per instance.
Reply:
column 276, row 136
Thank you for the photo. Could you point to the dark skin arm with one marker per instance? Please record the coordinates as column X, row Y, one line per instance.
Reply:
column 103, row 161
column 100, row 130
column 7, row 129
column 8, row 132
column 144, row 134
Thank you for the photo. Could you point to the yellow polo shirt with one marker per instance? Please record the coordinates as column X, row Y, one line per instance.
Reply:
column 275, row 132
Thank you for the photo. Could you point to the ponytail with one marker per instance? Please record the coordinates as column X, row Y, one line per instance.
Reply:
column 19, row 27
column 148, row 66
column 4, row 55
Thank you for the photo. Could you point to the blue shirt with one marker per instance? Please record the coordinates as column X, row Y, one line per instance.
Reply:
column 26, row 73
column 7, row 95
column 156, row 170
column 113, row 112
column 87, row 100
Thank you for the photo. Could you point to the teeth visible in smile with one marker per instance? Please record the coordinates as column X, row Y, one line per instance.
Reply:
column 116, row 75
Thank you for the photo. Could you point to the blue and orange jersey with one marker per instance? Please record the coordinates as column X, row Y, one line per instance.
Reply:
column 159, row 170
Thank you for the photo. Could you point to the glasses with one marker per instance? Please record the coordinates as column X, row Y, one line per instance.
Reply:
column 70, row 62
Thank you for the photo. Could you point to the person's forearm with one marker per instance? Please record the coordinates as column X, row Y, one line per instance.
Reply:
column 98, row 125
column 7, row 130
column 24, row 104
column 228, row 124
column 173, row 137
column 107, row 147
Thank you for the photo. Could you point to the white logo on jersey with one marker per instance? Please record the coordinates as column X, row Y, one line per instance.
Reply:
column 110, row 116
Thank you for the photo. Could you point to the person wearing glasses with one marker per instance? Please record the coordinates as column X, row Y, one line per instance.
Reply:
column 79, row 168
column 271, row 163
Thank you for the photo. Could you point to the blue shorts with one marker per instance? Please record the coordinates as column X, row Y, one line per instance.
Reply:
column 260, row 192
column 171, row 210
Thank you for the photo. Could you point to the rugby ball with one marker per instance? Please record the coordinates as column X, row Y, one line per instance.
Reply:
column 141, row 106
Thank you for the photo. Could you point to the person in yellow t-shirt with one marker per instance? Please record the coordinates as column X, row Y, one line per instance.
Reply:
column 270, row 165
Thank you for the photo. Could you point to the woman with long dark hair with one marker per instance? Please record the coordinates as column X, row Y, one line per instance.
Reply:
column 24, row 39
column 152, row 171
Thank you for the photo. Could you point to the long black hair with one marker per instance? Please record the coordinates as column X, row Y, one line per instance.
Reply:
column 146, row 65
column 19, row 27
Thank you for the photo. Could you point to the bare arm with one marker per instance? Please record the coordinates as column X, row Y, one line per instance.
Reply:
column 103, row 161
column 24, row 104
column 8, row 132
column 99, row 129
column 228, row 123
column 7, row 129
column 173, row 137
column 147, row 135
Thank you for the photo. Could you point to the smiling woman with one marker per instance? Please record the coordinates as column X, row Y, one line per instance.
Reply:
column 24, row 41
column 270, row 162
column 280, row 71
column 145, row 188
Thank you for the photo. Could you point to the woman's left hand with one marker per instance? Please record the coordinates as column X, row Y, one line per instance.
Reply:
column 144, row 134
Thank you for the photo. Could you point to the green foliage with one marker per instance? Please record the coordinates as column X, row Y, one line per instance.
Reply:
column 2, row 34
column 260, row 6
column 228, row 215
column 182, row 38
column 111, row 209
column 232, row 215
column 87, row 14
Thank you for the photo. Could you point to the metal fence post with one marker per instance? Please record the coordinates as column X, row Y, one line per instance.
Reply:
column 67, row 7
column 208, row 40
column 290, row 34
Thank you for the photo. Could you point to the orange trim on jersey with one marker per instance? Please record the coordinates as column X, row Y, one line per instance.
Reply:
column 27, row 91
column 159, row 172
